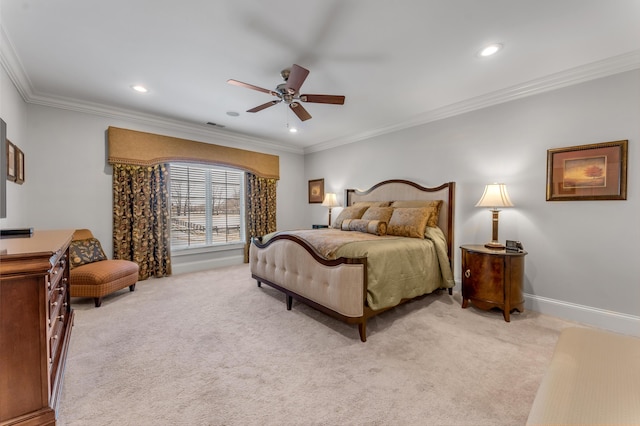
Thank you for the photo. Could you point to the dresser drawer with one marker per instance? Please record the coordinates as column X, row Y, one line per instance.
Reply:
column 57, row 271
column 56, row 335
column 57, row 302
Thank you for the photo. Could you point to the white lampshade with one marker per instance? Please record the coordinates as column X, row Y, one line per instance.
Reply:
column 495, row 195
column 330, row 200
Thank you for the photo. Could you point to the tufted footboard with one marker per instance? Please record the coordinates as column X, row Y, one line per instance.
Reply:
column 336, row 287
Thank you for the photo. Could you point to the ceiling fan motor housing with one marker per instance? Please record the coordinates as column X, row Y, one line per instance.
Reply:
column 284, row 93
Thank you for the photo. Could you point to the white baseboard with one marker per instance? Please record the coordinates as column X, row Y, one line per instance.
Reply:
column 600, row 318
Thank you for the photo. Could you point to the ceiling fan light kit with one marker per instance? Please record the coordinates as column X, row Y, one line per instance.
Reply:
column 289, row 92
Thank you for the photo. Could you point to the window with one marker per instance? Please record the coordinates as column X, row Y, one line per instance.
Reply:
column 206, row 205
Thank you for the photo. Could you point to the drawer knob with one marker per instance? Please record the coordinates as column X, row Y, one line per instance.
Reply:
column 54, row 304
column 54, row 337
column 467, row 273
column 61, row 317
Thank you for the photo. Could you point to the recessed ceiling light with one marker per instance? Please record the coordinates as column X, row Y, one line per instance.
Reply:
column 492, row 49
column 139, row 88
column 293, row 130
column 232, row 114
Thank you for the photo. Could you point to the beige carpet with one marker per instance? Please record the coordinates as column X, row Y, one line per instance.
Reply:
column 211, row 348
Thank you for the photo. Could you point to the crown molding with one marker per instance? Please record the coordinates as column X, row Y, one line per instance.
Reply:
column 610, row 66
column 202, row 130
column 13, row 67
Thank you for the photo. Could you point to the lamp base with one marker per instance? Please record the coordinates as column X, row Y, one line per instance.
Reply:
column 494, row 245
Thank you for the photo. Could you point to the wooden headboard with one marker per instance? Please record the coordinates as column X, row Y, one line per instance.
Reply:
column 403, row 190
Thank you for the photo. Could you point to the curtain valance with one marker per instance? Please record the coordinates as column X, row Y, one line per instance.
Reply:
column 146, row 149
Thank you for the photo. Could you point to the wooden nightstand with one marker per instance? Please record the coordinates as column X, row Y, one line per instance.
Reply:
column 492, row 278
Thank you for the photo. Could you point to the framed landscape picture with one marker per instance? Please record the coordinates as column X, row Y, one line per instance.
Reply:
column 588, row 172
column 316, row 190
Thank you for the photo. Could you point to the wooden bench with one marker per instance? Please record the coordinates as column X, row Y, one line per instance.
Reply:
column 593, row 378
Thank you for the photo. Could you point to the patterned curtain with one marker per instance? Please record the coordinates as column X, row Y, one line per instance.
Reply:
column 141, row 218
column 261, row 208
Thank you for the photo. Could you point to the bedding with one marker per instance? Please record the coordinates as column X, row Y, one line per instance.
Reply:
column 397, row 267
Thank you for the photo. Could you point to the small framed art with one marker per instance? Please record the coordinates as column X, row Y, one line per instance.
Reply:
column 588, row 172
column 11, row 161
column 316, row 191
column 19, row 166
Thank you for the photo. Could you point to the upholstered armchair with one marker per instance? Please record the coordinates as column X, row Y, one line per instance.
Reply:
column 92, row 274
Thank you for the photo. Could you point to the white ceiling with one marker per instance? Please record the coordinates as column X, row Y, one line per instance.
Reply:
column 399, row 63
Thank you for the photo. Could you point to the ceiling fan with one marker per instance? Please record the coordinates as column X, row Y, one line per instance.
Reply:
column 289, row 92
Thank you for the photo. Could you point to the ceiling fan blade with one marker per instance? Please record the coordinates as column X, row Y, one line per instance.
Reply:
column 263, row 106
column 297, row 75
column 251, row 86
column 299, row 110
column 323, row 99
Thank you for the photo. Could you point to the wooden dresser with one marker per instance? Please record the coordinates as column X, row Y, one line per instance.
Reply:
column 35, row 326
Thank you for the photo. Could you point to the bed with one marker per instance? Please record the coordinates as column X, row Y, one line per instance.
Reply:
column 380, row 252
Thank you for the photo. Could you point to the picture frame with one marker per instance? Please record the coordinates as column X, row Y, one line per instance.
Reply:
column 316, row 191
column 11, row 161
column 3, row 169
column 588, row 172
column 19, row 166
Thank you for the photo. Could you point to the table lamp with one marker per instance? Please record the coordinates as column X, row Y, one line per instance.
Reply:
column 495, row 196
column 330, row 200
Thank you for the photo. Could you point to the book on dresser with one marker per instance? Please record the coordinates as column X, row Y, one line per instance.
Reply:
column 35, row 326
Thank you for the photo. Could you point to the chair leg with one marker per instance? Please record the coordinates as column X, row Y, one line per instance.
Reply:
column 98, row 301
column 132, row 287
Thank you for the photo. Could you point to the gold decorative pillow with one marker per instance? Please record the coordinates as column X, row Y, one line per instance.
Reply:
column 382, row 214
column 86, row 251
column 375, row 227
column 435, row 205
column 409, row 221
column 351, row 212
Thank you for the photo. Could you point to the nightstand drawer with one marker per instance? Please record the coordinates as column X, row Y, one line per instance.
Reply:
column 483, row 277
